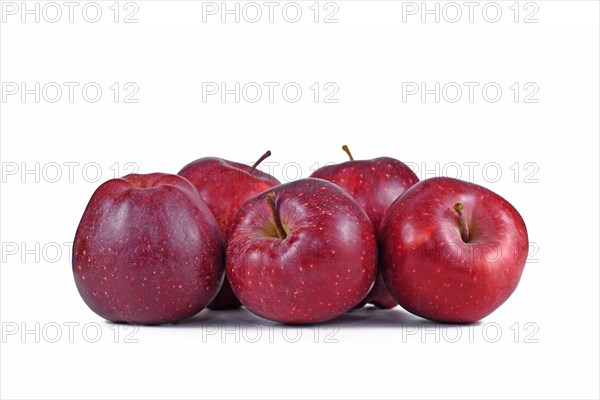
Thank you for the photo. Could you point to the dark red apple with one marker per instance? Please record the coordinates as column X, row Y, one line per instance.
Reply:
column 302, row 252
column 147, row 250
column 374, row 184
column 225, row 186
column 452, row 251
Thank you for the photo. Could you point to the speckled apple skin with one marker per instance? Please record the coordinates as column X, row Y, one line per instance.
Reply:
column 431, row 271
column 325, row 265
column 374, row 184
column 147, row 250
column 224, row 186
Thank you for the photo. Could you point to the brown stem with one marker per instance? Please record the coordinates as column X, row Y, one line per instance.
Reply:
column 261, row 159
column 275, row 212
column 464, row 232
column 347, row 150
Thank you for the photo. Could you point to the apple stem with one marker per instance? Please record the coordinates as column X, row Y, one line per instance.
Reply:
column 347, row 150
column 464, row 232
column 275, row 212
column 261, row 159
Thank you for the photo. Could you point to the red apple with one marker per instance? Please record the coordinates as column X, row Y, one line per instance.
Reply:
column 452, row 251
column 302, row 252
column 374, row 184
column 147, row 250
column 224, row 187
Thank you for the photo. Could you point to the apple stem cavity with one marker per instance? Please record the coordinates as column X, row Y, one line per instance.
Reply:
column 261, row 159
column 347, row 150
column 464, row 232
column 281, row 233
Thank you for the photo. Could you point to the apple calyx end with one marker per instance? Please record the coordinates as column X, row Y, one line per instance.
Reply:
column 464, row 231
column 261, row 159
column 347, row 150
column 270, row 199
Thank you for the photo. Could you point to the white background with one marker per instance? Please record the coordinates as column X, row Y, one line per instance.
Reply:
column 543, row 342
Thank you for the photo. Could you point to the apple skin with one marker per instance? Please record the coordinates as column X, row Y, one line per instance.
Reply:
column 325, row 265
column 147, row 250
column 224, row 186
column 374, row 184
column 380, row 296
column 428, row 267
